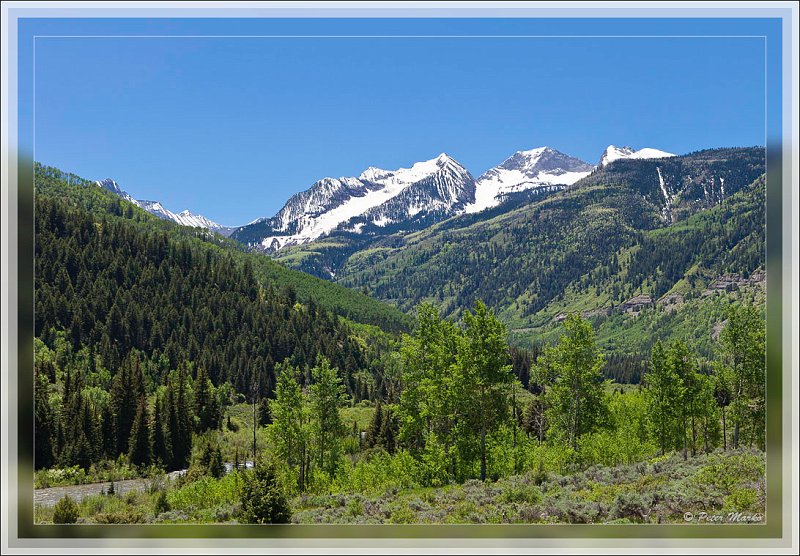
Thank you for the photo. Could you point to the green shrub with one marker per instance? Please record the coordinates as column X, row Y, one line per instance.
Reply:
column 519, row 493
column 161, row 504
column 207, row 492
column 355, row 507
column 65, row 511
column 128, row 515
column 402, row 514
column 741, row 500
column 263, row 500
column 632, row 505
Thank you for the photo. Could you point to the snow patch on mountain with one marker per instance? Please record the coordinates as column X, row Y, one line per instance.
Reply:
column 540, row 167
column 613, row 153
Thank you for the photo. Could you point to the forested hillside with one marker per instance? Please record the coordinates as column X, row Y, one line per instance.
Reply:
column 124, row 301
column 80, row 193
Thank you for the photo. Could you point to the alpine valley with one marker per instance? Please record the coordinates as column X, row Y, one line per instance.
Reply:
column 552, row 341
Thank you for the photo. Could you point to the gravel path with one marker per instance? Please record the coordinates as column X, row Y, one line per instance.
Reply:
column 49, row 496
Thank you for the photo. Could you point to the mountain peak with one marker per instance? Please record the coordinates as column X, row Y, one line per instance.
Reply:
column 540, row 168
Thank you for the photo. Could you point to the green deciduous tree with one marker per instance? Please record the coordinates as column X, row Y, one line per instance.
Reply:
column 429, row 395
column 743, row 348
column 576, row 403
column 290, row 431
column 326, row 396
column 664, row 392
column 485, row 376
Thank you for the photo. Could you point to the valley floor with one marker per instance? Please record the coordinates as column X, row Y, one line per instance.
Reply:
column 722, row 487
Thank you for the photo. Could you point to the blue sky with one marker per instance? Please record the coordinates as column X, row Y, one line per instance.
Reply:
column 231, row 127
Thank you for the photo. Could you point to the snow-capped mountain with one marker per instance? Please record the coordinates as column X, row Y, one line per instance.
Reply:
column 543, row 168
column 444, row 188
column 427, row 191
column 114, row 188
column 184, row 218
column 613, row 153
column 380, row 202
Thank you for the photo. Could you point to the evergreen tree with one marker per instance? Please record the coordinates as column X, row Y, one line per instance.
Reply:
column 139, row 448
column 162, row 449
column 375, row 427
column 263, row 500
column 181, row 422
column 389, row 431
column 127, row 388
column 206, row 403
column 264, row 414
column 43, row 421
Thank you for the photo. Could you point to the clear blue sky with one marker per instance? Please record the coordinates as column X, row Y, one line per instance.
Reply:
column 231, row 127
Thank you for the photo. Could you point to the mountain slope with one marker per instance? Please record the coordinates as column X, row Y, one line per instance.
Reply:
column 524, row 260
column 675, row 281
column 342, row 301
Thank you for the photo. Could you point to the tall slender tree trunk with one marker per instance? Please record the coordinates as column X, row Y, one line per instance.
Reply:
column 684, row 436
column 724, row 431
column 575, row 424
column 483, row 453
column 302, row 478
column 694, row 434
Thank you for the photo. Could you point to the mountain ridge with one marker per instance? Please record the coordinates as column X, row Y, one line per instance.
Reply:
column 184, row 218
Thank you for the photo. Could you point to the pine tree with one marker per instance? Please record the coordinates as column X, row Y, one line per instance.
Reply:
column 43, row 422
column 263, row 500
column 162, row 450
column 375, row 427
column 182, row 420
column 139, row 448
column 206, row 405
column 264, row 414
column 388, row 432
